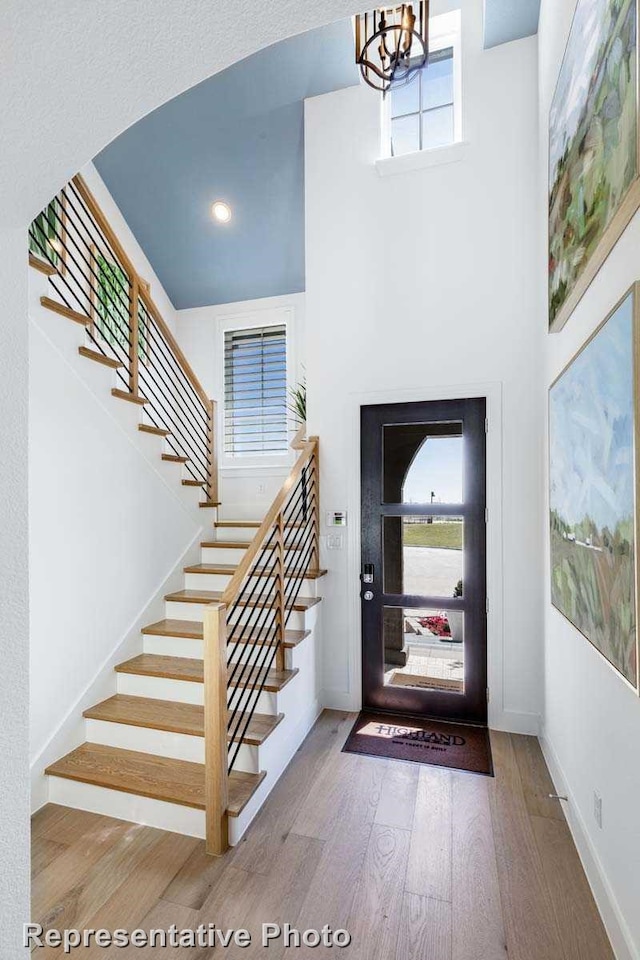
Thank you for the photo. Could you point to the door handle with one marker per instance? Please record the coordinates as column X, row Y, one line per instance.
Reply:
column 367, row 595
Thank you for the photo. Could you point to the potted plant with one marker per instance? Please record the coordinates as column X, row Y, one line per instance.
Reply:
column 297, row 404
column 456, row 617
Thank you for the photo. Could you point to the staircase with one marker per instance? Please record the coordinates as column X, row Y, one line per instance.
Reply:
column 209, row 712
column 146, row 742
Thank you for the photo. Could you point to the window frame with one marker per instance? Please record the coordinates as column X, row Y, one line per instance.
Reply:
column 444, row 32
column 255, row 320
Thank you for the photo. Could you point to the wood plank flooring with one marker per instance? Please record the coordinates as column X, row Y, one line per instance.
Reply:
column 416, row 862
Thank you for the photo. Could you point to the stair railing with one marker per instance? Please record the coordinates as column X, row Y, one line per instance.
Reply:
column 244, row 633
column 94, row 278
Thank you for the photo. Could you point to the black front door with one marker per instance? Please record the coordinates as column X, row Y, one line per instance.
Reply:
column 423, row 591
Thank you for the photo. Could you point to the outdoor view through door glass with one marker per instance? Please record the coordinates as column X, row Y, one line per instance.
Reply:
column 423, row 557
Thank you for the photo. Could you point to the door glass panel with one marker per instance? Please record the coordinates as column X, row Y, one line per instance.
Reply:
column 423, row 556
column 422, row 462
column 424, row 648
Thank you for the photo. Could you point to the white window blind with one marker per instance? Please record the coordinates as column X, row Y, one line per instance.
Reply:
column 255, row 391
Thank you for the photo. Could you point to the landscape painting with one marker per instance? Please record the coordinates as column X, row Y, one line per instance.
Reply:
column 593, row 148
column 592, row 426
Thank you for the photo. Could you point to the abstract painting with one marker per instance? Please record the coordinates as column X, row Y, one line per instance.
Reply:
column 592, row 442
column 594, row 183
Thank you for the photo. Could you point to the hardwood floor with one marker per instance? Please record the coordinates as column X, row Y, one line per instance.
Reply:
column 416, row 862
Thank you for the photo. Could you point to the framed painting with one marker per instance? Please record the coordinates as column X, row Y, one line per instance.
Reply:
column 594, row 152
column 593, row 465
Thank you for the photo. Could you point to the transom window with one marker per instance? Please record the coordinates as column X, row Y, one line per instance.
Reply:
column 422, row 113
column 255, row 391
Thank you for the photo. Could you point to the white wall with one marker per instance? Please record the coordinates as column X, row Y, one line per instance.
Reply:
column 420, row 284
column 51, row 53
column 246, row 492
column 592, row 719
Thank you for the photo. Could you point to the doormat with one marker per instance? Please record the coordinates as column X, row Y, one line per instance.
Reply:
column 436, row 742
column 399, row 679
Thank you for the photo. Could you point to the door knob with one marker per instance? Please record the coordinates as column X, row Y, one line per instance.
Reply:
column 367, row 595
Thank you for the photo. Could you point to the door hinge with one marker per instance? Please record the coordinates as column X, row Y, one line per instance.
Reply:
column 486, row 514
column 487, row 605
column 486, row 424
column 488, row 695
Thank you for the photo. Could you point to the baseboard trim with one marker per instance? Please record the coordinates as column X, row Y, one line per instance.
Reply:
column 340, row 700
column 614, row 922
column 514, row 721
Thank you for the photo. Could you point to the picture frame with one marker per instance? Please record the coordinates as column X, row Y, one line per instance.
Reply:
column 594, row 488
column 607, row 190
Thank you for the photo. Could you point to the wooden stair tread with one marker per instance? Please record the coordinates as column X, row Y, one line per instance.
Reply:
column 242, row 524
column 47, row 268
column 311, row 574
column 146, row 775
column 157, row 431
column 192, row 483
column 174, row 717
column 174, row 458
column 208, row 503
column 65, row 311
column 99, row 357
column 214, row 596
column 131, row 397
column 194, row 630
column 233, row 544
column 188, row 669
column 249, row 524
column 228, row 569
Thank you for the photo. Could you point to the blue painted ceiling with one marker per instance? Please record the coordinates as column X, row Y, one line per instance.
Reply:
column 239, row 137
column 506, row 20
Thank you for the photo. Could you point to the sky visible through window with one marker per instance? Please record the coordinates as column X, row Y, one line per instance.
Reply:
column 437, row 467
column 422, row 112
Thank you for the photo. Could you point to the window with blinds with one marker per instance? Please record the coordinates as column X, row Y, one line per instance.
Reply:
column 255, row 391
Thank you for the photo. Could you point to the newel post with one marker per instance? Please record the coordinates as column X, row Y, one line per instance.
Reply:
column 315, row 462
column 215, row 729
column 134, row 333
column 212, row 454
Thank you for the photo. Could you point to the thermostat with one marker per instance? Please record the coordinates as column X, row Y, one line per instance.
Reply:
column 337, row 518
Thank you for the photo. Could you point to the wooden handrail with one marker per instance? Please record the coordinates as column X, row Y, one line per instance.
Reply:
column 136, row 280
column 145, row 296
column 218, row 630
column 307, row 448
column 140, row 368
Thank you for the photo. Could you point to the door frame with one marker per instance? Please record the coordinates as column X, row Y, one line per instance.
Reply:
column 470, row 704
column 492, row 393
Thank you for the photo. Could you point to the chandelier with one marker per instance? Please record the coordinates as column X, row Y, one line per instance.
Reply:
column 392, row 44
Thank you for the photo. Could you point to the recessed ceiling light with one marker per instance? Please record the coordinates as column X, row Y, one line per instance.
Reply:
column 221, row 211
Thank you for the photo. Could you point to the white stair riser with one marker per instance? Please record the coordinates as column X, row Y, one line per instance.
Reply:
column 127, row 806
column 161, row 688
column 222, row 554
column 162, row 743
column 173, row 647
column 239, row 534
column 193, row 649
column 175, row 610
column 219, row 581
